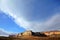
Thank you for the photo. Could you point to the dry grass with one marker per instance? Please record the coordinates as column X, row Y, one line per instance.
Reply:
column 30, row 38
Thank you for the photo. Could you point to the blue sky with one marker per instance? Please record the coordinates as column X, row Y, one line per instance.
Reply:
column 7, row 23
column 35, row 15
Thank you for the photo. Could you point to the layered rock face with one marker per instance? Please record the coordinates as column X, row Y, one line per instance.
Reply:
column 30, row 33
column 53, row 33
column 39, row 34
column 27, row 33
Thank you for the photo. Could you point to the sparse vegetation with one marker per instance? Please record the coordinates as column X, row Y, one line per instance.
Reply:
column 29, row 35
column 30, row 38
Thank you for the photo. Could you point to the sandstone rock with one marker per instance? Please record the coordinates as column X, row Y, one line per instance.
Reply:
column 20, row 34
column 30, row 33
column 27, row 33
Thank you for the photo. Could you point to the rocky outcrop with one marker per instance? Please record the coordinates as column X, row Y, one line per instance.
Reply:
column 27, row 33
column 39, row 34
column 30, row 33
column 52, row 33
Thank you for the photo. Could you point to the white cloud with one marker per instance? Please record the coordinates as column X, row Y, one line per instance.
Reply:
column 3, row 32
column 6, row 33
column 52, row 23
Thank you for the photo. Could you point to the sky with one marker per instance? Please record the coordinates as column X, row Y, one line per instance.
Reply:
column 7, row 23
column 36, row 15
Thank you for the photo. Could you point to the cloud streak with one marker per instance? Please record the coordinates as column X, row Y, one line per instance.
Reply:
column 4, row 32
column 52, row 23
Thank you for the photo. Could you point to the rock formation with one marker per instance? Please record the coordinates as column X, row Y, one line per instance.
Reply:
column 52, row 33
column 30, row 33
column 39, row 34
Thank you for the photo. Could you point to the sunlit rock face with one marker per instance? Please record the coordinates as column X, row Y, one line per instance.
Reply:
column 38, row 34
column 27, row 33
column 19, row 34
column 52, row 33
column 30, row 33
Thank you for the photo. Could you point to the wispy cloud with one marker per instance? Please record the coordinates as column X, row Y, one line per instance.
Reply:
column 52, row 23
column 4, row 32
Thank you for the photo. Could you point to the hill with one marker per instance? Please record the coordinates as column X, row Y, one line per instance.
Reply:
column 29, row 35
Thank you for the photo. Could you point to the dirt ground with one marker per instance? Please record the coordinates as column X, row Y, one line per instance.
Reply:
column 30, row 38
